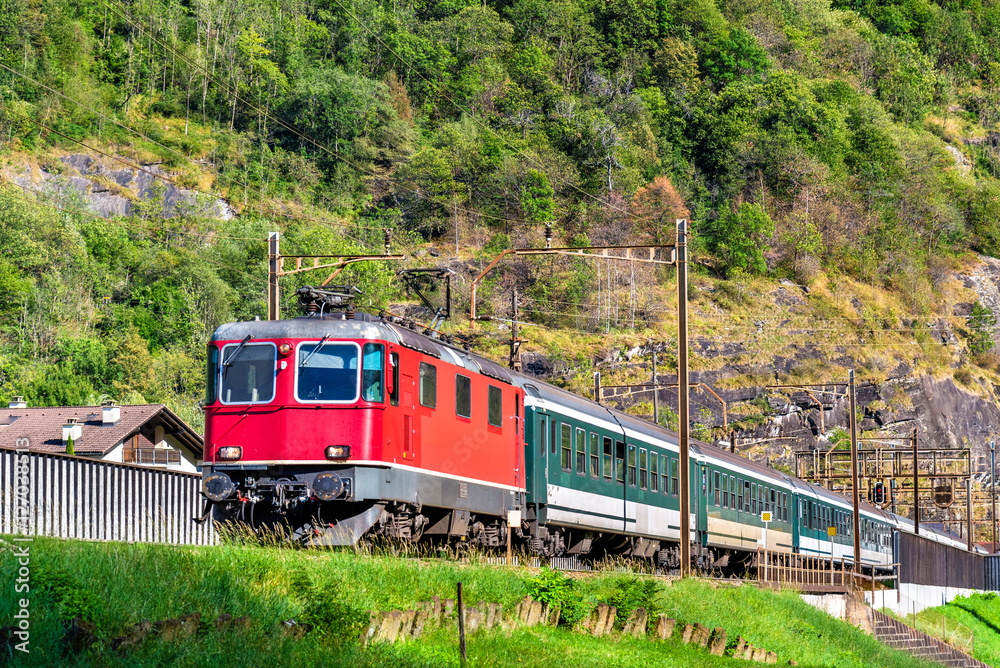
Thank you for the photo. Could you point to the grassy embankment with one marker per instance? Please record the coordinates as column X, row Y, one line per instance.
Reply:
column 967, row 622
column 116, row 585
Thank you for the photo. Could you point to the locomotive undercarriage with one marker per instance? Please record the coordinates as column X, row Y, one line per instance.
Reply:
column 289, row 499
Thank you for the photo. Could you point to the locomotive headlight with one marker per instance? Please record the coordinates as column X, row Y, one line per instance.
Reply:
column 328, row 486
column 230, row 453
column 338, row 451
column 217, row 486
column 284, row 348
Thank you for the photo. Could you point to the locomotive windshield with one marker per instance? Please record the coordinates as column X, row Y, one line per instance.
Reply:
column 327, row 372
column 247, row 373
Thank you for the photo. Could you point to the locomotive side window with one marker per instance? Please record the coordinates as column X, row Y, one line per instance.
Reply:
column 212, row 376
column 595, row 456
column 371, row 372
column 248, row 373
column 581, row 452
column 428, row 385
column 566, row 441
column 394, row 395
column 495, row 401
column 327, row 372
column 463, row 396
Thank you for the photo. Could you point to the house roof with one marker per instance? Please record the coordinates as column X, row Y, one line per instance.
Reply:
column 43, row 428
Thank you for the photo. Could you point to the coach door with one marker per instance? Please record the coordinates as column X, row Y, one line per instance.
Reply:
column 704, row 480
column 544, row 459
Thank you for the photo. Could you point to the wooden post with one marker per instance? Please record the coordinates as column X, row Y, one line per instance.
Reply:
column 461, row 625
column 854, row 471
column 916, row 487
column 682, row 398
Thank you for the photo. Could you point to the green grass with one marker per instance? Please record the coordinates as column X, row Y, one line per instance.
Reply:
column 116, row 585
column 978, row 615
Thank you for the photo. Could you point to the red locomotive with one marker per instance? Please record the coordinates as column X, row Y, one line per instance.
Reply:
column 343, row 424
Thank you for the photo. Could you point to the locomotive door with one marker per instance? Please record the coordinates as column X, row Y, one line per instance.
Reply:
column 411, row 426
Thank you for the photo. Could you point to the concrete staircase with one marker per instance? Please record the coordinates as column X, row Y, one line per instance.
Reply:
column 899, row 636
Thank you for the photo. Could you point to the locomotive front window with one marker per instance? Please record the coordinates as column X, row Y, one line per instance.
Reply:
column 328, row 372
column 247, row 375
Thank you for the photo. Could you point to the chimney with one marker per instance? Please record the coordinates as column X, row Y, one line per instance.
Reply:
column 112, row 413
column 17, row 402
column 72, row 429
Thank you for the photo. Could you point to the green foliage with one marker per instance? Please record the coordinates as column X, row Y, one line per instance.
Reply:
column 69, row 446
column 66, row 594
column 556, row 589
column 630, row 592
column 982, row 328
column 739, row 238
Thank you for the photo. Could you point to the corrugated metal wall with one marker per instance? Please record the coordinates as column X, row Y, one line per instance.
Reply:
column 75, row 497
column 992, row 582
column 922, row 561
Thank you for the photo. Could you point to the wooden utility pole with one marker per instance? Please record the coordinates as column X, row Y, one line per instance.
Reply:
column 515, row 341
column 993, row 494
column 273, row 267
column 656, row 392
column 916, row 487
column 682, row 398
column 854, row 474
column 968, row 513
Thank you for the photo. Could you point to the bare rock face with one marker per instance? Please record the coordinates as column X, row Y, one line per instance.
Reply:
column 111, row 188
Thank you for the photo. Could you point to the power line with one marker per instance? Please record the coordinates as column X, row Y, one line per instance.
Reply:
column 301, row 134
column 475, row 120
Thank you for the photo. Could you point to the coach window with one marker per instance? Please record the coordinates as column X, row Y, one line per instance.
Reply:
column 607, row 458
column 595, row 455
column 774, row 503
column 665, row 473
column 718, row 491
column 495, row 400
column 784, row 507
column 428, row 385
column 581, row 452
column 725, row 490
column 747, row 496
column 674, row 484
column 654, row 473
column 394, row 363
column 760, row 498
column 753, row 498
column 372, row 356
column 566, row 441
column 619, row 465
column 643, row 469
column 732, row 493
column 631, row 465
column 463, row 396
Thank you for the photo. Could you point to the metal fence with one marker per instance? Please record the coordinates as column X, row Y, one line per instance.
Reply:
column 926, row 562
column 86, row 499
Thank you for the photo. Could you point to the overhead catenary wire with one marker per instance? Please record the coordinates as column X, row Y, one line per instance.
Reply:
column 281, row 122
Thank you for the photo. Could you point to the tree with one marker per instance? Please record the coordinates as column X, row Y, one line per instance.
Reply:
column 658, row 205
column 69, row 446
column 536, row 200
column 982, row 324
column 739, row 236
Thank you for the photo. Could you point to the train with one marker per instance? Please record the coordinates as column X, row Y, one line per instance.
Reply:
column 345, row 426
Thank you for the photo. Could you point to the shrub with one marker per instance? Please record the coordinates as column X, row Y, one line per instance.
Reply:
column 554, row 588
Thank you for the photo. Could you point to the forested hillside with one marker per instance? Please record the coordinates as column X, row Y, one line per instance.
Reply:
column 854, row 142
